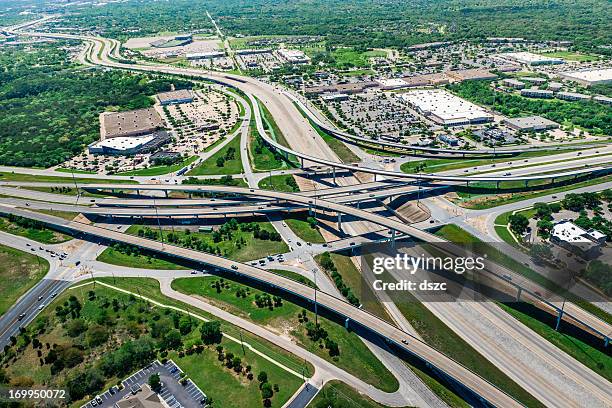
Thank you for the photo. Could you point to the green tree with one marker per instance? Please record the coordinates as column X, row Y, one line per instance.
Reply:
column 211, row 332
column 518, row 223
column 155, row 382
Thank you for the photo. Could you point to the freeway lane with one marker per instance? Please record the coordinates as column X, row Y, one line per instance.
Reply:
column 444, row 364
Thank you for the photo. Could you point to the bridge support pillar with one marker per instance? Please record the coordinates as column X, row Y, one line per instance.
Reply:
column 518, row 294
column 340, row 222
column 526, row 183
column 346, row 323
column 375, row 177
column 302, row 163
column 309, row 209
column 137, row 192
column 559, row 317
column 497, row 185
column 334, row 175
column 552, row 180
column 166, row 193
column 393, row 238
column 606, row 341
column 467, row 183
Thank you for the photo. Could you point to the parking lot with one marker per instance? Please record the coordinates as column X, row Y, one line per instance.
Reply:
column 173, row 392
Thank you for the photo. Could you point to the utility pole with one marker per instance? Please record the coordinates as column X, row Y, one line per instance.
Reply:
column 161, row 234
column 314, row 271
column 242, row 343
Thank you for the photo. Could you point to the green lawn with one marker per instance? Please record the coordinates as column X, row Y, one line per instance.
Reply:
column 349, row 57
column 114, row 257
column 39, row 233
column 150, row 289
column 262, row 157
column 354, row 356
column 284, row 183
column 133, row 318
column 253, row 248
column 75, row 171
column 59, row 179
column 159, row 170
column 592, row 357
column 337, row 394
column 301, row 227
column 19, row 271
column 485, row 201
column 295, row 276
column 572, row 56
column 230, row 166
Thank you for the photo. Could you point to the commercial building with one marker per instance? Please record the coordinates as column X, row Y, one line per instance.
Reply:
column 534, row 80
column 175, row 97
column 426, row 79
column 293, row 56
column 589, row 78
column 537, row 93
column 131, row 123
column 513, row 83
column 448, row 139
column 529, row 58
column 575, row 239
column 127, row 146
column 445, row 108
column 335, row 97
column 573, row 96
column 197, row 56
column 531, row 124
column 350, row 88
column 145, row 398
column 554, row 86
column 470, row 74
column 392, row 83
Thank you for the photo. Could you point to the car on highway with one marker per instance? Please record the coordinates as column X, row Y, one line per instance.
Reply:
column 54, row 294
column 21, row 316
column 41, row 307
column 234, row 267
column 40, row 298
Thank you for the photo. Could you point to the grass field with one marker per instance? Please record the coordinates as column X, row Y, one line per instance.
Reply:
column 254, row 248
column 301, row 227
column 226, row 387
column 59, row 179
column 19, row 271
column 572, row 56
column 354, row 356
column 293, row 275
column 279, row 183
column 592, row 357
column 75, row 171
column 160, row 170
column 491, row 200
column 349, row 57
column 337, row 394
column 39, row 234
column 113, row 257
column 352, row 279
column 231, row 166
column 262, row 157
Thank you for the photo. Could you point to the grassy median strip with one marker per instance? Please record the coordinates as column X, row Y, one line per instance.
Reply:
column 225, row 161
column 160, row 170
column 31, row 229
column 36, row 178
column 19, row 271
column 337, row 345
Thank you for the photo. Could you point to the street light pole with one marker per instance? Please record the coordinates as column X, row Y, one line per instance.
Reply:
column 314, row 271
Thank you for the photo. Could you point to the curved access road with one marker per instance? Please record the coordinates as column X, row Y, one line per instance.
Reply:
column 480, row 387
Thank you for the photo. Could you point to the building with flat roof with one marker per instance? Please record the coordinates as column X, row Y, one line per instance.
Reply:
column 131, row 123
column 529, row 58
column 350, row 88
column 175, row 97
column 196, row 56
column 127, row 146
column 534, row 80
column 573, row 96
column 575, row 239
column 332, row 97
column 445, row 108
column 513, row 83
column 554, row 86
column 392, row 83
column 589, row 78
column 537, row 93
column 470, row 74
column 293, row 56
column 531, row 124
column 603, row 99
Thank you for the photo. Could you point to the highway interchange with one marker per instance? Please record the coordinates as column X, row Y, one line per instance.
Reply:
column 345, row 198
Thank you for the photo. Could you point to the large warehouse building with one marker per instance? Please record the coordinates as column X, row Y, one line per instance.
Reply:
column 589, row 78
column 445, row 108
column 529, row 58
column 131, row 123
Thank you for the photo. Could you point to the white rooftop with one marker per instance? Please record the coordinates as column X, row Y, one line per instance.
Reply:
column 392, row 82
column 445, row 105
column 595, row 75
column 124, row 143
column 530, row 58
column 569, row 232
